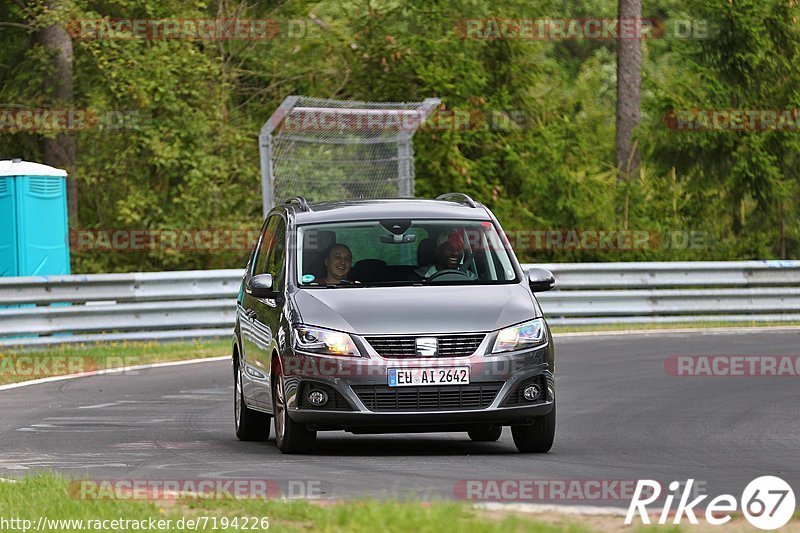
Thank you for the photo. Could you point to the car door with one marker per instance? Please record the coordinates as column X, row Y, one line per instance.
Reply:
column 244, row 322
column 263, row 314
column 255, row 380
column 270, row 311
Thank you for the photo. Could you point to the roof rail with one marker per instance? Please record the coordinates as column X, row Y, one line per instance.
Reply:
column 300, row 201
column 457, row 197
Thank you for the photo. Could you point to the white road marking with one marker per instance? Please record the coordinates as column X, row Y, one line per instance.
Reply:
column 110, row 371
column 64, row 465
column 77, row 424
column 98, row 406
column 98, row 418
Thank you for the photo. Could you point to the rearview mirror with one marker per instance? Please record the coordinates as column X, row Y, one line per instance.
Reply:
column 398, row 239
column 541, row 280
column 260, row 286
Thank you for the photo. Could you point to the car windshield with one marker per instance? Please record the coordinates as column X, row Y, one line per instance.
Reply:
column 402, row 252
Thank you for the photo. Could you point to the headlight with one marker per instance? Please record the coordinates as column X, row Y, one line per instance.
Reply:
column 526, row 335
column 323, row 341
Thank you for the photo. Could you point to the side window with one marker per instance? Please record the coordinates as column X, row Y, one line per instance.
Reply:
column 266, row 242
column 277, row 255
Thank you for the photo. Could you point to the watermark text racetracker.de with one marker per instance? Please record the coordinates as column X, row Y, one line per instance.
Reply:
column 221, row 239
column 196, row 489
column 731, row 365
column 588, row 240
column 33, row 366
column 193, row 29
column 27, row 120
column 733, row 120
column 545, row 490
column 191, row 239
column 561, row 29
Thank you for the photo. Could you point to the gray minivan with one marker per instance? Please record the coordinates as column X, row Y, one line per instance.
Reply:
column 391, row 315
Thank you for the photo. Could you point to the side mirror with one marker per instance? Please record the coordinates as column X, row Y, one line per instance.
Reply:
column 540, row 280
column 260, row 286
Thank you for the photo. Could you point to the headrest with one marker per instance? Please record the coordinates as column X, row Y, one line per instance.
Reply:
column 368, row 270
column 426, row 252
column 316, row 243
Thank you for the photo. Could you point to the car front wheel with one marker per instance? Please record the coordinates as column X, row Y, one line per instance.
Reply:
column 539, row 436
column 290, row 436
column 250, row 425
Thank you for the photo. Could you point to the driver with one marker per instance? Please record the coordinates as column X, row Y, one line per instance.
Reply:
column 337, row 264
column 449, row 254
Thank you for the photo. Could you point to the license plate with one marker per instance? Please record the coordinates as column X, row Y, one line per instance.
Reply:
column 416, row 377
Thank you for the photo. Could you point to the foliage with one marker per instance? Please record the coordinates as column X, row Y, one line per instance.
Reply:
column 539, row 147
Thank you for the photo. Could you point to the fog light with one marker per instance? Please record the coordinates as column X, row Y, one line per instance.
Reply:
column 317, row 398
column 532, row 392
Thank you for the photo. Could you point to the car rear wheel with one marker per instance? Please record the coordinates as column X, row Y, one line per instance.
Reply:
column 538, row 437
column 487, row 433
column 290, row 436
column 250, row 425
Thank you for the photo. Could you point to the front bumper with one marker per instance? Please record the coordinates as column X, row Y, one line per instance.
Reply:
column 349, row 377
column 417, row 421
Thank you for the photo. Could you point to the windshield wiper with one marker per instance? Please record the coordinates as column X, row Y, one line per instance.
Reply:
column 344, row 283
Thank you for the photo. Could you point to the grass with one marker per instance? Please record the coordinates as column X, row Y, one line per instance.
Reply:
column 22, row 364
column 46, row 495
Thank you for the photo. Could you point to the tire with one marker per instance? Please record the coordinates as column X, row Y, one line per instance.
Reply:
column 290, row 436
column 538, row 437
column 250, row 425
column 486, row 433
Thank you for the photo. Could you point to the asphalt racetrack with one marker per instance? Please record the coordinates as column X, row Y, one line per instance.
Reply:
column 621, row 416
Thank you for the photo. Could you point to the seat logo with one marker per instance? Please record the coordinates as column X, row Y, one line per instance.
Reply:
column 427, row 346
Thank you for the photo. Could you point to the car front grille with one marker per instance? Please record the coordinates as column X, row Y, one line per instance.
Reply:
column 432, row 398
column 405, row 346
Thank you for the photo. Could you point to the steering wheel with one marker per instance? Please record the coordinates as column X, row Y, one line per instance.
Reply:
column 446, row 271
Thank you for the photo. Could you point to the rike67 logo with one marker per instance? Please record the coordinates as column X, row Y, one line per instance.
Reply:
column 767, row 502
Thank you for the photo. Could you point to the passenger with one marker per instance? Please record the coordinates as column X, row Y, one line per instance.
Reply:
column 337, row 263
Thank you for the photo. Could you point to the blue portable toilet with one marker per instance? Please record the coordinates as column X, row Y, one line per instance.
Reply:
column 34, row 233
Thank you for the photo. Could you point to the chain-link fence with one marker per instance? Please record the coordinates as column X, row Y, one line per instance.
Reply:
column 336, row 149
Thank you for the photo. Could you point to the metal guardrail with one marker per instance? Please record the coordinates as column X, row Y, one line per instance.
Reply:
column 134, row 287
column 194, row 304
column 675, row 274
